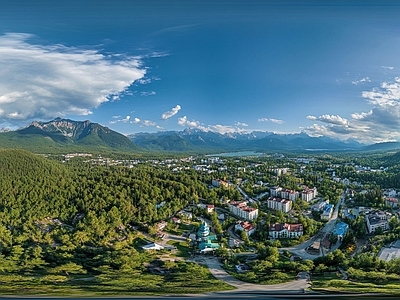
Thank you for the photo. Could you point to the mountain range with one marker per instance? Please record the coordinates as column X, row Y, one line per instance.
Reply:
column 61, row 134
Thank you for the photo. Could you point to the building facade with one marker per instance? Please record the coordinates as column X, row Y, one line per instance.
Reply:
column 283, row 205
column 285, row 230
column 245, row 226
column 240, row 209
column 377, row 219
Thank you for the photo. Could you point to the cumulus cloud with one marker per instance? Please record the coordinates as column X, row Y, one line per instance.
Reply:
column 362, row 80
column 381, row 123
column 386, row 67
column 124, row 120
column 42, row 81
column 171, row 113
column 185, row 122
column 276, row 121
column 241, row 124
column 332, row 119
column 214, row 128
column 148, row 123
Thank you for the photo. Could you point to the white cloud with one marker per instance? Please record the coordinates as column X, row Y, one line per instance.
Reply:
column 276, row 121
column 381, row 123
column 149, row 93
column 332, row 119
column 125, row 120
column 185, row 122
column 136, row 121
column 362, row 80
column 144, row 81
column 44, row 81
column 389, row 68
column 148, row 123
column 221, row 128
column 241, row 124
column 171, row 113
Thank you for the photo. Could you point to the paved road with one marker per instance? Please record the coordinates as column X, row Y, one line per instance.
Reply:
column 300, row 250
column 296, row 286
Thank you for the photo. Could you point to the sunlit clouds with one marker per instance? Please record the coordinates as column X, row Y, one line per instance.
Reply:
column 46, row 81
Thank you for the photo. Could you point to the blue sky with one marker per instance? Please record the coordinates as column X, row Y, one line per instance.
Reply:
column 282, row 66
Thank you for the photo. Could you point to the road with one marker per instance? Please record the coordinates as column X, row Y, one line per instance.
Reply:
column 296, row 286
column 300, row 250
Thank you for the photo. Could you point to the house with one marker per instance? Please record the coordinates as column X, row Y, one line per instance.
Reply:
column 152, row 246
column 392, row 202
column 327, row 212
column 219, row 182
column 176, row 220
column 340, row 230
column 377, row 219
column 285, row 230
column 245, row 226
column 283, row 205
column 320, row 205
column 240, row 209
column 210, row 208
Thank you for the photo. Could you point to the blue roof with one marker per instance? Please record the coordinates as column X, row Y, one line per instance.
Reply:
column 328, row 207
column 340, row 228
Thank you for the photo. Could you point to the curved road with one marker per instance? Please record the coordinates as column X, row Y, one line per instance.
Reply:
column 296, row 286
column 300, row 250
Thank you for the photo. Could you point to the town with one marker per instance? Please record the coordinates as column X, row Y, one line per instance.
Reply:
column 271, row 215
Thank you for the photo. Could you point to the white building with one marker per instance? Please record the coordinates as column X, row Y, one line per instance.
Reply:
column 327, row 212
column 275, row 191
column 285, row 230
column 245, row 226
column 283, row 205
column 377, row 219
column 241, row 210
column 309, row 194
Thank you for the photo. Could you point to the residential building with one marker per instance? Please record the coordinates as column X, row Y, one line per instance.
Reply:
column 245, row 226
column 377, row 219
column 285, row 230
column 327, row 212
column 283, row 193
column 309, row 194
column 283, row 205
column 240, row 209
column 320, row 205
column 275, row 191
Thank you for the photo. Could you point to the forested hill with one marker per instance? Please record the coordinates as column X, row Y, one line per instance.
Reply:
column 62, row 135
column 53, row 215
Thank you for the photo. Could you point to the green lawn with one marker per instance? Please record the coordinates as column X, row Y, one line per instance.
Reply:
column 183, row 248
column 187, row 279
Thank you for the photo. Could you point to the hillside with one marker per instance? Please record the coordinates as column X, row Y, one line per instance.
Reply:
column 61, row 134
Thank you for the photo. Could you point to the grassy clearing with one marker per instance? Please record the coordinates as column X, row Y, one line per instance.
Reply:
column 182, row 248
column 275, row 277
column 331, row 283
column 188, row 279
